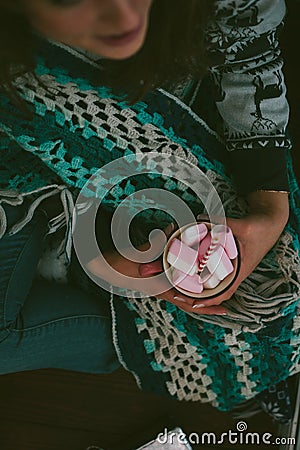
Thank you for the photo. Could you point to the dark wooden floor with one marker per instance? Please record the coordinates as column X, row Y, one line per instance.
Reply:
column 59, row 410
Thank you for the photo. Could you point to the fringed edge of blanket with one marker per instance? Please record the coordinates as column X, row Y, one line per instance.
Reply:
column 65, row 218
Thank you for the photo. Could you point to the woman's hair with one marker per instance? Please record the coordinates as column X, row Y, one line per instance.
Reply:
column 174, row 47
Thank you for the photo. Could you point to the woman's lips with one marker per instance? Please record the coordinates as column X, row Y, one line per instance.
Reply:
column 121, row 39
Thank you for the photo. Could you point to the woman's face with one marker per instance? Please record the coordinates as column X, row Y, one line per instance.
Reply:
column 114, row 29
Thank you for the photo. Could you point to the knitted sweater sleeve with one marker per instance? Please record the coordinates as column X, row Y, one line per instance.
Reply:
column 249, row 90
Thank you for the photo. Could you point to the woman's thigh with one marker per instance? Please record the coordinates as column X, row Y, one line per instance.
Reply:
column 60, row 327
column 19, row 256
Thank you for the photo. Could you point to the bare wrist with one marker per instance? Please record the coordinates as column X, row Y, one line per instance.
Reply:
column 271, row 204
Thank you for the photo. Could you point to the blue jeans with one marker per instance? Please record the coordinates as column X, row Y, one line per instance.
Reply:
column 45, row 324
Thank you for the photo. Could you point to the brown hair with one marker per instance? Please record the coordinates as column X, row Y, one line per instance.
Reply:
column 174, row 47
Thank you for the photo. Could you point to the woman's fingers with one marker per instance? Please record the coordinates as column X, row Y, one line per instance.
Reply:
column 218, row 299
column 192, row 305
column 199, row 308
column 188, row 304
column 216, row 310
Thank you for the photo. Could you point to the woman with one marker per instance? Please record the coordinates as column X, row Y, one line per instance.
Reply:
column 112, row 79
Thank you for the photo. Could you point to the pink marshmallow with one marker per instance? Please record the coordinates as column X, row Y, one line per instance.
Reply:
column 224, row 234
column 204, row 275
column 194, row 234
column 182, row 257
column 187, row 282
column 210, row 281
column 219, row 264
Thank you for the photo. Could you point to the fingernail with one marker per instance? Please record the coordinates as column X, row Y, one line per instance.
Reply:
column 198, row 305
column 179, row 299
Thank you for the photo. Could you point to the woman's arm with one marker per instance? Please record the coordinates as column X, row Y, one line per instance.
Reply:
column 250, row 95
column 273, row 205
column 256, row 233
column 124, row 272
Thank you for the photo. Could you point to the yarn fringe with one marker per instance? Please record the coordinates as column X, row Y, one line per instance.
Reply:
column 64, row 219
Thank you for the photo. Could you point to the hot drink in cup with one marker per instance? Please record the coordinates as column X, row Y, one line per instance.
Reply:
column 201, row 259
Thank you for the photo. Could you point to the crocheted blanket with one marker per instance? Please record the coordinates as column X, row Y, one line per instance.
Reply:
column 76, row 129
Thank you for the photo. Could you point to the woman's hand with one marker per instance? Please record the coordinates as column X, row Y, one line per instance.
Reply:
column 134, row 272
column 256, row 234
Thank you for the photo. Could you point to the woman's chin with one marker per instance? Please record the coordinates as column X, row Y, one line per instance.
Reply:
column 116, row 52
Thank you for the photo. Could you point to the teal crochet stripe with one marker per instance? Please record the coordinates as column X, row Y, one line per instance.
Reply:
column 271, row 361
column 68, row 142
column 140, row 108
column 221, row 366
column 32, row 176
